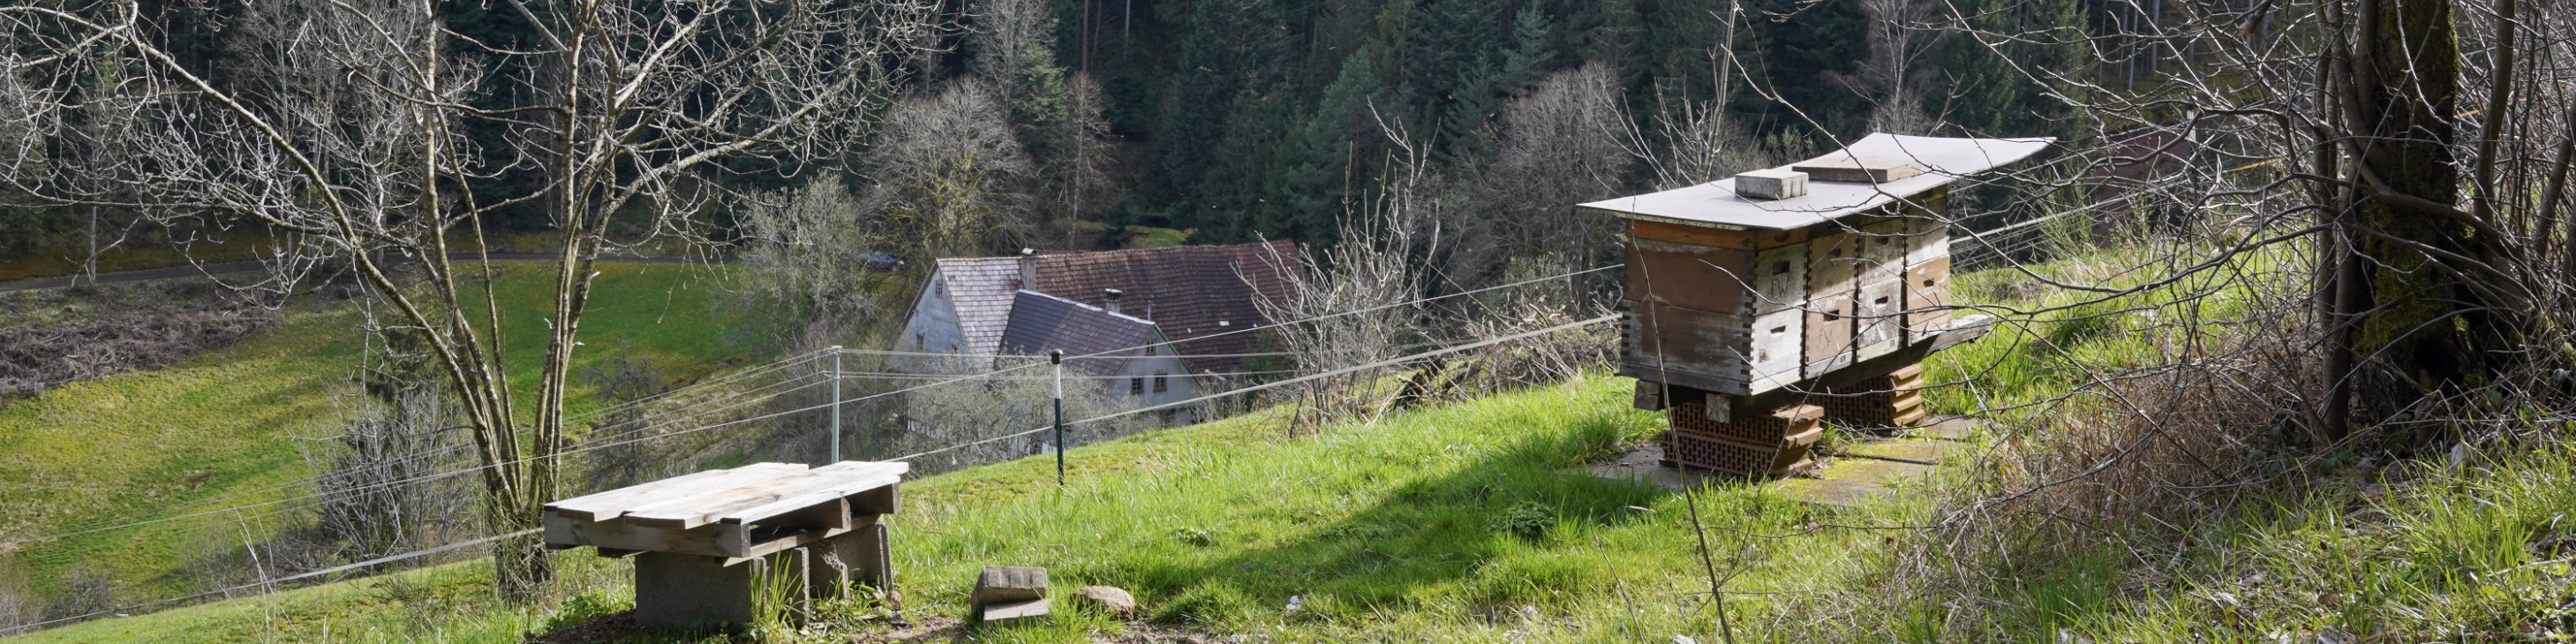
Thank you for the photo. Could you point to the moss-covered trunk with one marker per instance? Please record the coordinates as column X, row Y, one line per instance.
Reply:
column 2407, row 81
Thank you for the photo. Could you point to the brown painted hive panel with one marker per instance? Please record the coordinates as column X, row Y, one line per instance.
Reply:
column 1927, row 298
column 1689, row 267
column 1685, row 347
column 1833, row 262
column 1828, row 334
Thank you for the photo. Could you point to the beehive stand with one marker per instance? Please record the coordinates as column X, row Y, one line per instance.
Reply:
column 1747, row 310
column 691, row 535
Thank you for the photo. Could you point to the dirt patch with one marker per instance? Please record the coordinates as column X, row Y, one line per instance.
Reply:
column 54, row 337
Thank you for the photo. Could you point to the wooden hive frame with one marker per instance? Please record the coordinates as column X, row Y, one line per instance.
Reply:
column 1744, row 313
column 1739, row 307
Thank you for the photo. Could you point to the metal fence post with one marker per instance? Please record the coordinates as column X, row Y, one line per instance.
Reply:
column 1056, row 357
column 836, row 403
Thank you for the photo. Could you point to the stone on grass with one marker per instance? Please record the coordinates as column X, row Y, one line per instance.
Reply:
column 1108, row 599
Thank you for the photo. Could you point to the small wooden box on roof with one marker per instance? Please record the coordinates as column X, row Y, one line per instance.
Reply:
column 1777, row 277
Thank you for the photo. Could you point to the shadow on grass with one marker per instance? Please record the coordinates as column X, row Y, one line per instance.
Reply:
column 1486, row 533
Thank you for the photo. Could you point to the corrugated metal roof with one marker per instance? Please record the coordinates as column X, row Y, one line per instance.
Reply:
column 1040, row 322
column 1716, row 204
column 981, row 288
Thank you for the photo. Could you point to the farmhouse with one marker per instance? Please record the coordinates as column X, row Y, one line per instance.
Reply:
column 1154, row 325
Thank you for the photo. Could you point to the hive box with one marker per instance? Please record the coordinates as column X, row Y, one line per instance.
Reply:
column 1733, row 294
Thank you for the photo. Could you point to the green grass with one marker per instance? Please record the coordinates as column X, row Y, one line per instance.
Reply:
column 1442, row 524
column 220, row 429
column 1450, row 523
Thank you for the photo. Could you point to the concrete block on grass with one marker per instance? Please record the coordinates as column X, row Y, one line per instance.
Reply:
column 1008, row 584
column 679, row 590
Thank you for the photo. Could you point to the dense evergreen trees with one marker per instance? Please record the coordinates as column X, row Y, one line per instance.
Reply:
column 1245, row 117
column 1248, row 118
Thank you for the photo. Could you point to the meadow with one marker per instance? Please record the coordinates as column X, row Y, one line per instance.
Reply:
column 231, row 426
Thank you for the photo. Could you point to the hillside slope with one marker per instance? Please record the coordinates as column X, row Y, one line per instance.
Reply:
column 228, row 427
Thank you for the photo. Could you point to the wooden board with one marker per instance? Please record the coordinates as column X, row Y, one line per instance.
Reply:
column 1928, row 238
column 1770, row 239
column 1828, row 335
column 1690, row 235
column 753, row 502
column 1696, row 277
column 790, row 502
column 610, row 504
column 1833, row 259
column 1697, row 349
column 1927, row 298
column 1881, row 319
column 565, row 532
column 1883, row 246
column 1780, row 278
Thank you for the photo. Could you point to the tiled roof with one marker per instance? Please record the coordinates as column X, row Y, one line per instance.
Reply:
column 1191, row 292
column 1040, row 322
column 982, row 289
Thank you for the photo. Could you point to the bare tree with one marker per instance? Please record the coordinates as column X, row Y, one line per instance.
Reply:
column 345, row 126
column 1557, row 146
column 821, row 254
column 1358, row 292
column 378, row 493
column 949, row 173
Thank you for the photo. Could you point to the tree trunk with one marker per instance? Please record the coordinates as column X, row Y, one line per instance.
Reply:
column 2406, row 86
column 520, row 567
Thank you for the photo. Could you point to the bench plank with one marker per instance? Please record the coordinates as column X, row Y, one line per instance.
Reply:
column 763, row 499
column 608, row 505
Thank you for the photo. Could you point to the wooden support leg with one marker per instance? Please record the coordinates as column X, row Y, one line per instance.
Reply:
column 679, row 590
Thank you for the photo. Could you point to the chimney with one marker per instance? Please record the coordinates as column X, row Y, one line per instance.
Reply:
column 1110, row 297
column 1029, row 268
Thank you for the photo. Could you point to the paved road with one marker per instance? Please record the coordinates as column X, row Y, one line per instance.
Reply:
column 121, row 277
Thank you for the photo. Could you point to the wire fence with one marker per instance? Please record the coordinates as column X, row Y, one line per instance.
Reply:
column 758, row 397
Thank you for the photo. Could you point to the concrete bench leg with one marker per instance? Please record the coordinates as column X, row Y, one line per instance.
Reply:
column 678, row 590
column 862, row 557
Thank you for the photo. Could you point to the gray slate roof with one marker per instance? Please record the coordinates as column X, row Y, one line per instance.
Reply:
column 1716, row 204
column 1040, row 322
column 981, row 288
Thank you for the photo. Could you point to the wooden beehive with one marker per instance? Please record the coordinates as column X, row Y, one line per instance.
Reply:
column 1738, row 296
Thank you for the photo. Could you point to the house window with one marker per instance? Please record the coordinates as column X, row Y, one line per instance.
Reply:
column 1160, row 385
column 1135, row 386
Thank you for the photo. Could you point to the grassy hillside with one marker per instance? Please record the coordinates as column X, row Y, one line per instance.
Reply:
column 1451, row 523
column 1460, row 523
column 222, row 429
column 1455, row 524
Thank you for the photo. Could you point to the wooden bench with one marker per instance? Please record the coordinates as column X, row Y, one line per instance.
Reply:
column 690, row 535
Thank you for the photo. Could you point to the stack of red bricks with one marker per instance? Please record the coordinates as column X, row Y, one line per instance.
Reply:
column 1893, row 400
column 1769, row 444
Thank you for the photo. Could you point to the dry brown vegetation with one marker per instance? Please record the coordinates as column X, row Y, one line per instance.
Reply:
column 54, row 337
